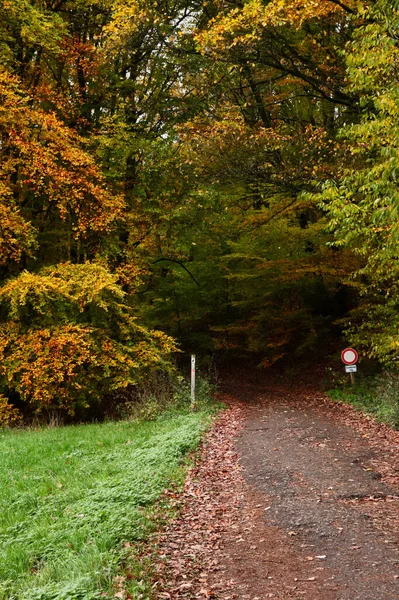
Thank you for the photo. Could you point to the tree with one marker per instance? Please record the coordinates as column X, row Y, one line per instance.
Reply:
column 63, row 346
column 362, row 203
column 274, row 82
column 51, row 188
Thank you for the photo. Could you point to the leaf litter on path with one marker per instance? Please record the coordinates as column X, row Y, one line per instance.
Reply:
column 234, row 536
column 210, row 505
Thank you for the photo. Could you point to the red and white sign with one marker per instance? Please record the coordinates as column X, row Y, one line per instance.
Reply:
column 349, row 356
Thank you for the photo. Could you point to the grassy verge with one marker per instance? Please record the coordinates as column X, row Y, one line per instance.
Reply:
column 378, row 396
column 77, row 501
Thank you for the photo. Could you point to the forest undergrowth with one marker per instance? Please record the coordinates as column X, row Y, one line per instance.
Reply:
column 377, row 395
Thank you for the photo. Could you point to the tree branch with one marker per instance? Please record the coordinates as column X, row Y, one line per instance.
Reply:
column 178, row 263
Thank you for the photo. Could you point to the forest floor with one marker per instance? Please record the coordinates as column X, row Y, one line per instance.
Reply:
column 294, row 497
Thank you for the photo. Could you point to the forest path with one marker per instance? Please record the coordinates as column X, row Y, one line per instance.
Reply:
column 312, row 511
column 335, row 520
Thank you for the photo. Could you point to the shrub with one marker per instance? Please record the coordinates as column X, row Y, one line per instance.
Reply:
column 162, row 392
column 67, row 337
column 9, row 415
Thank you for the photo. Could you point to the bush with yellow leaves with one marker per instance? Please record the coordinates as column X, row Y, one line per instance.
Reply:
column 68, row 337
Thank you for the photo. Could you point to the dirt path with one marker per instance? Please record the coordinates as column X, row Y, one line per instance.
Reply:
column 301, row 501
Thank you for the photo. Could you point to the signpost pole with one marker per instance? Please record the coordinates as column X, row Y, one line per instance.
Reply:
column 192, row 381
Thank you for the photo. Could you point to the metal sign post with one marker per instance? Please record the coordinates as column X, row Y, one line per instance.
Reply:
column 193, row 381
column 349, row 357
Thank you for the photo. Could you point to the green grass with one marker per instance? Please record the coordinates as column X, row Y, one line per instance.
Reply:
column 374, row 395
column 71, row 498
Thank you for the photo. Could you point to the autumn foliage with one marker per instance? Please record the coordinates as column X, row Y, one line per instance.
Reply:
column 68, row 337
column 169, row 160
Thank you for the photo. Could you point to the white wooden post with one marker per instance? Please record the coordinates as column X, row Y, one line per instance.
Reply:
column 193, row 381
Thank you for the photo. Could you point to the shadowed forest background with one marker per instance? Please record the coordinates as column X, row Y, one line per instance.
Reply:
column 217, row 177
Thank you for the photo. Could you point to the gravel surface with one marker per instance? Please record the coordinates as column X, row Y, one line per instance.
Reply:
column 320, row 481
column 294, row 497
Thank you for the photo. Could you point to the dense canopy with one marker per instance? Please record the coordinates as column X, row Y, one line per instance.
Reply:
column 218, row 177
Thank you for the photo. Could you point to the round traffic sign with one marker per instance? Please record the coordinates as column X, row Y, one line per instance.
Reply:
column 349, row 356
